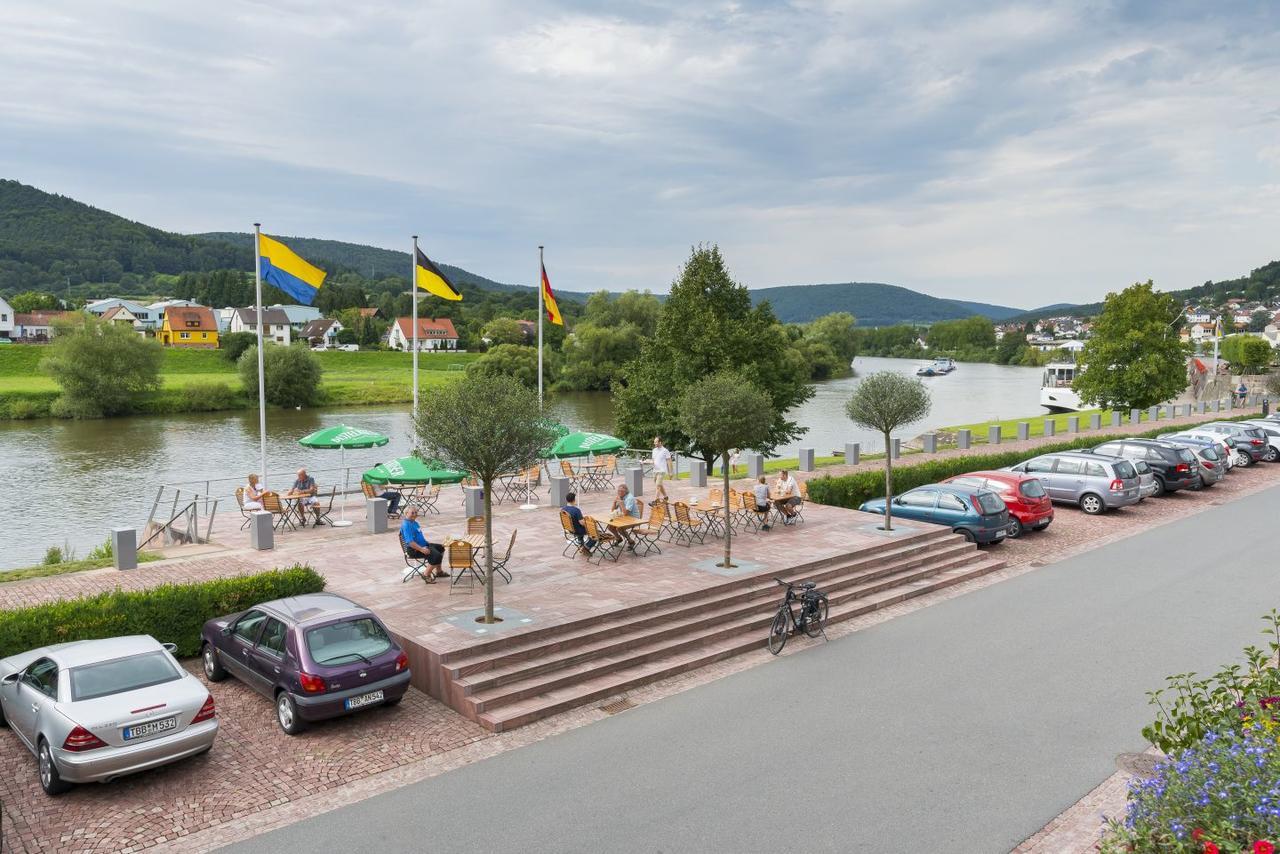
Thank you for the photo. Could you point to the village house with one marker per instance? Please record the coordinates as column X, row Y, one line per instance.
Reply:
column 6, row 319
column 299, row 315
column 369, row 312
column 37, row 327
column 322, row 332
column 147, row 318
column 433, row 334
column 189, row 326
column 122, row 316
column 1199, row 314
column 275, row 324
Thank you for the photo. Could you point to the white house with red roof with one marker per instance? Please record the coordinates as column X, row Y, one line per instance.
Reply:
column 434, row 333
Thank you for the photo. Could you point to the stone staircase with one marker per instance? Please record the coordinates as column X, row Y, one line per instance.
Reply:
column 512, row 681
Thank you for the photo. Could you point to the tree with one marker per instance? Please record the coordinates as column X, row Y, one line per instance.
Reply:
column 1134, row 358
column 1009, row 350
column 1258, row 321
column 513, row 360
column 100, row 366
column 488, row 425
column 594, row 356
column 708, row 324
column 886, row 401
column 838, row 332
column 504, row 330
column 722, row 412
column 233, row 344
column 1248, row 353
column 292, row 375
column 29, row 301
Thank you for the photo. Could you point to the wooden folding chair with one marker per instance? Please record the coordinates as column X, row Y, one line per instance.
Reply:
column 573, row 541
column 649, row 535
column 475, row 525
column 804, row 499
column 608, row 544
column 271, row 503
column 322, row 510
column 686, row 529
column 575, row 482
column 248, row 516
column 500, row 564
column 462, row 562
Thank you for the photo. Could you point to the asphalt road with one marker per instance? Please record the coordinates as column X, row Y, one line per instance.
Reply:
column 963, row 727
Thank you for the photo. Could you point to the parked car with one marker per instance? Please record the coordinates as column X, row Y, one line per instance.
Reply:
column 1250, row 442
column 349, row 348
column 1174, row 466
column 1214, row 458
column 318, row 656
column 1094, row 482
column 1225, row 445
column 978, row 515
column 1029, row 506
column 1271, row 431
column 95, row 710
column 1147, row 485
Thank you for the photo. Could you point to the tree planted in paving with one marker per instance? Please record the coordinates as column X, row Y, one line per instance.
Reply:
column 292, row 375
column 722, row 412
column 101, row 367
column 1134, row 359
column 886, row 401
column 488, row 425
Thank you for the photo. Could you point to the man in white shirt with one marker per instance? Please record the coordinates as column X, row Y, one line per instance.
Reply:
column 788, row 496
column 661, row 464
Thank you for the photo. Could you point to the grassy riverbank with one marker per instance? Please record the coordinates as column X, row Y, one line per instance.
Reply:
column 66, row 567
column 203, row 381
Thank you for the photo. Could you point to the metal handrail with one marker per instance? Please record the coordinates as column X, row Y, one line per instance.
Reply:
column 189, row 510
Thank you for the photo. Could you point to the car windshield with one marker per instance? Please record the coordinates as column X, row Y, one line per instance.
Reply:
column 123, row 674
column 1125, row 469
column 1210, row 453
column 1031, row 488
column 362, row 638
column 990, row 502
column 1186, row 456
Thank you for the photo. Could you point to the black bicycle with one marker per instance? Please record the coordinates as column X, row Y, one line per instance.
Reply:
column 811, row 604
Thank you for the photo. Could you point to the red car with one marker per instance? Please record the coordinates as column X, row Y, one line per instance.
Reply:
column 1024, row 495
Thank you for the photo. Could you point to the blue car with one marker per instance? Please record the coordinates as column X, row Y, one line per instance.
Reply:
column 980, row 516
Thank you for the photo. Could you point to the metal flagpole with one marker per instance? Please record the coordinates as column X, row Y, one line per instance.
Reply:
column 262, row 386
column 413, row 286
column 540, row 313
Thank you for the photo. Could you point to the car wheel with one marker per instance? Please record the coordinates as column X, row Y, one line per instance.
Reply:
column 1159, row 490
column 50, row 780
column 1016, row 528
column 4, row 722
column 213, row 670
column 967, row 534
column 1244, row 460
column 1092, row 504
column 287, row 714
column 1272, row 454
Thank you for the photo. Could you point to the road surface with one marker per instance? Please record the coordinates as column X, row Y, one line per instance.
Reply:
column 962, row 727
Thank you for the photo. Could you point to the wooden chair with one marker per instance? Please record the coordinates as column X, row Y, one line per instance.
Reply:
column 804, row 499
column 608, row 544
column 649, row 535
column 323, row 509
column 715, row 496
column 500, row 563
column 475, row 525
column 248, row 516
column 462, row 562
column 686, row 530
column 416, row 562
column 567, row 471
column 754, row 517
column 572, row 540
column 532, row 485
column 271, row 503
column 420, row 496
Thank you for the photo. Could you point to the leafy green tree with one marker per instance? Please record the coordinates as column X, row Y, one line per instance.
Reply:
column 504, row 330
column 1257, row 321
column 722, row 412
column 1009, row 348
column 101, row 367
column 29, row 301
column 822, row 360
column 488, row 425
column 641, row 310
column 1247, row 353
column 514, row 360
column 594, row 356
column 707, row 325
column 292, row 375
column 1134, row 358
column 886, row 401
column 233, row 344
column 962, row 336
column 838, row 331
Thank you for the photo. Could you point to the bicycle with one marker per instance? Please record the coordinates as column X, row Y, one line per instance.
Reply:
column 811, row 619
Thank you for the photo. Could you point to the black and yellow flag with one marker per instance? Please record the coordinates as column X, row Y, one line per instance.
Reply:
column 432, row 279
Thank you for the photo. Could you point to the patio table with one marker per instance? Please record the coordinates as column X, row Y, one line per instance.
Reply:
column 594, row 477
column 712, row 514
column 294, row 507
column 621, row 525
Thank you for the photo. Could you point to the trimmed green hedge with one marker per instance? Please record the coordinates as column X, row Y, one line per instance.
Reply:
column 171, row 613
column 851, row 490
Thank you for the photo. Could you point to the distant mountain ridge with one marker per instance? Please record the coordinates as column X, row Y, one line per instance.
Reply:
column 872, row 303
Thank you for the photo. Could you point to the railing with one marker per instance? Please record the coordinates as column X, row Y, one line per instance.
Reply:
column 183, row 523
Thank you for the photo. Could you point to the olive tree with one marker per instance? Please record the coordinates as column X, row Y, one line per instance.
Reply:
column 101, row 367
column 721, row 412
column 886, row 401
column 488, row 425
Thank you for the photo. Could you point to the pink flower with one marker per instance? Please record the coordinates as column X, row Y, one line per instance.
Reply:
column 1262, row 846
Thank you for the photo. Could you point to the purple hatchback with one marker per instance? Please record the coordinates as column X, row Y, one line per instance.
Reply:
column 318, row 656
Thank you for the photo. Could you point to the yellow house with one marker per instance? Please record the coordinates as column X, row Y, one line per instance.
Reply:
column 189, row 326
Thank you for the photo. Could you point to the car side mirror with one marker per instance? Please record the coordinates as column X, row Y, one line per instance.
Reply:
column 171, row 648
column 226, row 631
column 11, row 679
column 897, row 500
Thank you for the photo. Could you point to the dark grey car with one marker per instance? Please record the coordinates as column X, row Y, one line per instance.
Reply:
column 1094, row 482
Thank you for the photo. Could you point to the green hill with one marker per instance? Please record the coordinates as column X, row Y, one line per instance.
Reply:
column 872, row 303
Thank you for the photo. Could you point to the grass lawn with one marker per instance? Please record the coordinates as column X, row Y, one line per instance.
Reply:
column 1009, row 427
column 68, row 567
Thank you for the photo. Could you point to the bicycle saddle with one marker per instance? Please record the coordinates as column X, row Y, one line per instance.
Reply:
column 809, row 585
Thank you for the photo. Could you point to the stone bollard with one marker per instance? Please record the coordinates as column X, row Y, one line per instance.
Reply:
column 261, row 534
column 1171, row 412
column 963, row 439
column 1050, row 426
column 473, row 500
column 755, row 465
column 634, row 477
column 896, row 448
column 1073, row 424
column 1095, row 421
column 697, row 473
column 1024, row 431
column 1217, row 405
column 993, row 434
column 375, row 513
column 124, row 548
column 806, row 459
column 1201, row 407
column 852, row 453
column 559, row 490
column 1116, row 418
column 1153, row 414
column 1135, row 416
column 930, row 441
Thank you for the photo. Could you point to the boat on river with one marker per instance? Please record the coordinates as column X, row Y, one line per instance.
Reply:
column 1056, row 391
column 941, row 366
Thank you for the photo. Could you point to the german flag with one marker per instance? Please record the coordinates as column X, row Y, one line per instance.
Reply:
column 432, row 279
column 549, row 300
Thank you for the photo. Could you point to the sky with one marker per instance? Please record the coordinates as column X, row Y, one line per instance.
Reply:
column 1016, row 153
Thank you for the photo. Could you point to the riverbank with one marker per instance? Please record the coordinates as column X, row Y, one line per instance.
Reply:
column 203, row 381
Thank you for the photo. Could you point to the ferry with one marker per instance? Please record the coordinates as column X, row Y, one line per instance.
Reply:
column 1056, row 392
column 940, row 366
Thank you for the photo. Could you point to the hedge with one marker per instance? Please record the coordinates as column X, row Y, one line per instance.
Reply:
column 851, row 490
column 171, row 613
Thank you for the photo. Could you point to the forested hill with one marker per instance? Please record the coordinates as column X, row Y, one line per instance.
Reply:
column 872, row 303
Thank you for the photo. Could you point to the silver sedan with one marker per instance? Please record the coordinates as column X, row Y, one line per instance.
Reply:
column 95, row 710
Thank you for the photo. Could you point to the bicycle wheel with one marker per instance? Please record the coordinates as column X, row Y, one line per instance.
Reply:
column 817, row 613
column 778, row 631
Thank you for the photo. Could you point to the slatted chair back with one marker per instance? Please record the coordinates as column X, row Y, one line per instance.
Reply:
column 367, row 488
column 534, row 476
column 658, row 515
column 240, row 498
column 460, row 555
column 271, row 503
column 682, row 515
column 733, row 497
column 567, row 470
column 475, row 524
column 511, row 544
column 597, row 532
column 567, row 523
column 716, row 496
column 639, row 509
column 804, row 490
column 610, row 462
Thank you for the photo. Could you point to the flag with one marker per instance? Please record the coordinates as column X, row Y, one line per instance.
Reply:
column 549, row 300
column 1217, row 328
column 282, row 267
column 432, row 279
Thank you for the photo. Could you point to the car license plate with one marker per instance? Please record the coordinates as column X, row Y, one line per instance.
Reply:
column 364, row 700
column 149, row 728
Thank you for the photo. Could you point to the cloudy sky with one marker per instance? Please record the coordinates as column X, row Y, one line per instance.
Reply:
column 1014, row 153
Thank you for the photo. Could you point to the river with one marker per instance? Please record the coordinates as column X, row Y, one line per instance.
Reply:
column 72, row 481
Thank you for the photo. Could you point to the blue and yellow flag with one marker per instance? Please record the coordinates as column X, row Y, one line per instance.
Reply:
column 285, row 269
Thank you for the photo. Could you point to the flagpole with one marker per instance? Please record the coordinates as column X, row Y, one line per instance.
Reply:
column 541, row 268
column 262, row 386
column 413, row 286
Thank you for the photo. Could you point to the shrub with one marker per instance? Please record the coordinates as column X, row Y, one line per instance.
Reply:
column 292, row 375
column 102, row 551
column 101, row 367
column 169, row 613
column 231, row 345
column 210, row 397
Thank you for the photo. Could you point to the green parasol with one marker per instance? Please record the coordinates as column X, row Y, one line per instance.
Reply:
column 581, row 444
column 343, row 437
column 412, row 470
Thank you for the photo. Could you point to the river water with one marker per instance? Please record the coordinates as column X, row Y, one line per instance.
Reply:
column 71, row 482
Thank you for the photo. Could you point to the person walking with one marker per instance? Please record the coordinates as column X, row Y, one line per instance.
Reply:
column 661, row 467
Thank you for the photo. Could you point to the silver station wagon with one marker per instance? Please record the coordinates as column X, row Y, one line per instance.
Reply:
column 1095, row 482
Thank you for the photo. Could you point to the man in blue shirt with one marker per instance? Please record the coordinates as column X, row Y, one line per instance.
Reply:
column 416, row 541
column 575, row 516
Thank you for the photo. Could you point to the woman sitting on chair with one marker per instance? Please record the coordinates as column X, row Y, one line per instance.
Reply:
column 253, row 494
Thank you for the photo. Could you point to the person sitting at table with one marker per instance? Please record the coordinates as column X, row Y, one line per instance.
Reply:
column 415, row 540
column 305, row 486
column 761, row 492
column 575, row 517
column 253, row 494
column 624, row 504
column 788, row 496
column 393, row 501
